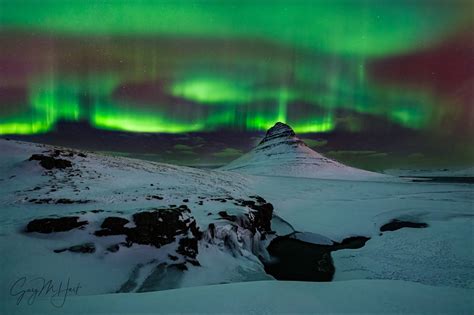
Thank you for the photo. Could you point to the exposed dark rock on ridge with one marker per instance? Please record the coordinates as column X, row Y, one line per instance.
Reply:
column 260, row 214
column 50, row 162
column 279, row 134
column 50, row 225
column 57, row 201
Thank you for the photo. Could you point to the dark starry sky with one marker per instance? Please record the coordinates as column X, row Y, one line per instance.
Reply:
column 375, row 84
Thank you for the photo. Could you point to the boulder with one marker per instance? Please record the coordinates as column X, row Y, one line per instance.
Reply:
column 50, row 225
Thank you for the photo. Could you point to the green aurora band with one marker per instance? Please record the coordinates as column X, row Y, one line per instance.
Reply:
column 365, row 27
column 206, row 93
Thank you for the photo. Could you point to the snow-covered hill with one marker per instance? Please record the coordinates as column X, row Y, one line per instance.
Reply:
column 136, row 225
column 282, row 153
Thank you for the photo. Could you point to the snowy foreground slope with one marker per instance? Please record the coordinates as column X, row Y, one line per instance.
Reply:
column 282, row 153
column 66, row 222
column 218, row 227
column 276, row 297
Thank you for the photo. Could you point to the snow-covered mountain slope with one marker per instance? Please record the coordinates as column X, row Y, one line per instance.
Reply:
column 282, row 153
column 136, row 225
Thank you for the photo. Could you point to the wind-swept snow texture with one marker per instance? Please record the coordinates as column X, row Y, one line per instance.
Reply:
column 273, row 297
column 282, row 153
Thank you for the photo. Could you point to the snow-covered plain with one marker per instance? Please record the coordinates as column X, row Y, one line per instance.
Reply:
column 428, row 270
column 442, row 254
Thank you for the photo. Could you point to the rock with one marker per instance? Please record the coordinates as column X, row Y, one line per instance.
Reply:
column 184, row 208
column 49, row 225
column 212, row 230
column 297, row 260
column 261, row 213
column 258, row 199
column 262, row 217
column 398, row 224
column 113, row 248
column 172, row 257
column 49, row 162
column 227, row 216
column 87, row 248
column 150, row 197
column 112, row 226
column 157, row 227
column 69, row 201
column 353, row 242
column 188, row 247
column 57, row 201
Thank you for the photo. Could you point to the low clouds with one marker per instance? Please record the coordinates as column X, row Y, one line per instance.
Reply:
column 228, row 153
column 315, row 143
column 361, row 153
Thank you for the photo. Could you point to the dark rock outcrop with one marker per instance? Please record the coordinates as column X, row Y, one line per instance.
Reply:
column 188, row 247
column 50, row 162
column 224, row 215
column 150, row 197
column 112, row 226
column 260, row 214
column 297, row 260
column 87, row 248
column 64, row 201
column 396, row 224
column 158, row 228
column 113, row 248
column 50, row 225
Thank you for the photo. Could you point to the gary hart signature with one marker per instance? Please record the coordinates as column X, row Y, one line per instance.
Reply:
column 29, row 289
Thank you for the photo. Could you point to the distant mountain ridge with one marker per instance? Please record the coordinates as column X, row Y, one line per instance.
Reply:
column 282, row 153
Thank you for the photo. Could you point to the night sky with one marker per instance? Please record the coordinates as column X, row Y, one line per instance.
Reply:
column 375, row 84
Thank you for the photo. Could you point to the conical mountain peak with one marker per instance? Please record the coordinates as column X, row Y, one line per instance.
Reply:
column 282, row 153
column 279, row 131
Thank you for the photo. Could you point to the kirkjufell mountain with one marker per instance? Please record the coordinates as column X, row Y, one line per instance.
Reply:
column 282, row 153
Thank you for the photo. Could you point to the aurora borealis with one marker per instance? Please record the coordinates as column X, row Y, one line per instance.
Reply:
column 335, row 69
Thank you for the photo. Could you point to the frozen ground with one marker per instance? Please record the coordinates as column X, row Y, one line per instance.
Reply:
column 102, row 186
column 275, row 297
column 426, row 270
column 442, row 254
